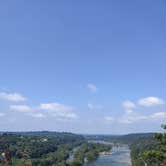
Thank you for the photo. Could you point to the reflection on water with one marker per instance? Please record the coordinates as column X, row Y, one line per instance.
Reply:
column 120, row 157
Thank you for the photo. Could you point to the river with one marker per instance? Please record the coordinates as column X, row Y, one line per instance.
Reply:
column 120, row 157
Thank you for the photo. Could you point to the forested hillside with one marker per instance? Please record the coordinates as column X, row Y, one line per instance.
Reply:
column 150, row 151
column 47, row 149
column 147, row 149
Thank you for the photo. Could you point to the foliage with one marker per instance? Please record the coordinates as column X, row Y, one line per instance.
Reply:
column 47, row 149
column 89, row 152
column 150, row 151
column 158, row 155
column 38, row 149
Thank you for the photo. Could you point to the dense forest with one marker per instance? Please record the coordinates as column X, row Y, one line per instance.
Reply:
column 147, row 149
column 67, row 149
column 47, row 149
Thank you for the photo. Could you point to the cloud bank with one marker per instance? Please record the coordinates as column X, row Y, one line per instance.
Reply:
column 14, row 97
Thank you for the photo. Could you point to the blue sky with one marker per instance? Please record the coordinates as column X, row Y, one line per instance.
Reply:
column 83, row 66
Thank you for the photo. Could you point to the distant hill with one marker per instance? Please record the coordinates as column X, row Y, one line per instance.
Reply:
column 127, row 139
column 41, row 133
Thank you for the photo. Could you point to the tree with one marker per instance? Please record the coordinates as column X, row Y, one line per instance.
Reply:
column 157, row 156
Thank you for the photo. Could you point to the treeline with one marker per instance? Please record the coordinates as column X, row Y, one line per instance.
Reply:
column 38, row 149
column 124, row 139
column 88, row 152
column 47, row 149
column 150, row 152
column 147, row 149
column 139, row 146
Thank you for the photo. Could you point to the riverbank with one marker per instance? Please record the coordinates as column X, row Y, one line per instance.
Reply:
column 87, row 153
column 119, row 156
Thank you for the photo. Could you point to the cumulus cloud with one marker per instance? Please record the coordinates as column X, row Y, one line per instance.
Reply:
column 55, row 107
column 92, row 88
column 94, row 107
column 158, row 116
column 150, row 101
column 14, row 97
column 38, row 115
column 21, row 108
column 131, row 115
column 27, row 110
column 128, row 106
column 131, row 118
column 59, row 110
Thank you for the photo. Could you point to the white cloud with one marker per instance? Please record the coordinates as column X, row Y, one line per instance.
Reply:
column 131, row 117
column 109, row 118
column 21, row 108
column 38, row 115
column 94, row 107
column 128, row 111
column 28, row 110
column 68, row 116
column 2, row 114
column 59, row 110
column 92, row 88
column 158, row 116
column 150, row 101
column 128, row 106
column 15, row 97
column 55, row 107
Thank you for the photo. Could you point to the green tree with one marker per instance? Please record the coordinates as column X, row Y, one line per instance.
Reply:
column 157, row 157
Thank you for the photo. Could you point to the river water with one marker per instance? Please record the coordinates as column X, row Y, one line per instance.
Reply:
column 120, row 157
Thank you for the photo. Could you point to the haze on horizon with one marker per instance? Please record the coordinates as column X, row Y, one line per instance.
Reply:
column 83, row 66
